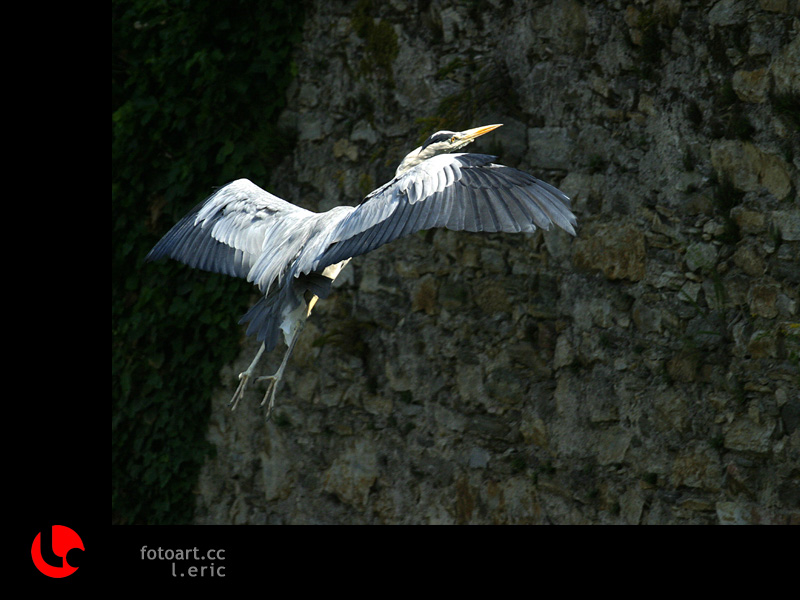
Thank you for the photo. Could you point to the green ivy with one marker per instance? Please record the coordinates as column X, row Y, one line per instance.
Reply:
column 196, row 89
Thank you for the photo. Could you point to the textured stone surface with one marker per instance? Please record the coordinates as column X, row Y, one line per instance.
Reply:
column 644, row 372
column 618, row 252
column 750, row 168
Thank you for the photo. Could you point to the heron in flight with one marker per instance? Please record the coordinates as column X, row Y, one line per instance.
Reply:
column 293, row 255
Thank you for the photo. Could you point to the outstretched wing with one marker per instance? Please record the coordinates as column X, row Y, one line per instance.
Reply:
column 457, row 191
column 226, row 233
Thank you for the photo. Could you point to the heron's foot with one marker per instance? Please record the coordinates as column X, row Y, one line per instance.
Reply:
column 244, row 377
column 270, row 394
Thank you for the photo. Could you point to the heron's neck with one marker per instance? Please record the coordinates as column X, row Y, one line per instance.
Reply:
column 414, row 158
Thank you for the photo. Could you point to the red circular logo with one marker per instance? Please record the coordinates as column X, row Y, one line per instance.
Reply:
column 63, row 540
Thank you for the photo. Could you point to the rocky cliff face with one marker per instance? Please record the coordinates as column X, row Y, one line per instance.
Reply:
column 645, row 371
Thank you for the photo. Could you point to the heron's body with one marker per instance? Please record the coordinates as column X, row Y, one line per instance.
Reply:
column 293, row 255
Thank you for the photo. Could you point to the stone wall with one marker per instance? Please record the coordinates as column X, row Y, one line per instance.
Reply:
column 645, row 371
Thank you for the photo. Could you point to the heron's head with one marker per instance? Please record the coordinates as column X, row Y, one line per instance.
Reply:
column 442, row 142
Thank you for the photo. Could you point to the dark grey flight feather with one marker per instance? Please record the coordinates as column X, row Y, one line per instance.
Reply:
column 462, row 192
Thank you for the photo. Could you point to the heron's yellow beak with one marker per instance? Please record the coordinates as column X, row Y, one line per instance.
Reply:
column 471, row 134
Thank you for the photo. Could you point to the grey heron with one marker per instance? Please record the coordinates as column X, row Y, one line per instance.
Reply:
column 293, row 255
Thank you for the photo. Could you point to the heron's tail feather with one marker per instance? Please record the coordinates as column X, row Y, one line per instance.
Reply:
column 264, row 322
column 266, row 316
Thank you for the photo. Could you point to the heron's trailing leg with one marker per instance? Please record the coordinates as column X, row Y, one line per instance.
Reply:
column 243, row 379
column 292, row 327
column 275, row 379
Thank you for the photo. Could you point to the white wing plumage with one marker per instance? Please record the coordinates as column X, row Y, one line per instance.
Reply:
column 240, row 230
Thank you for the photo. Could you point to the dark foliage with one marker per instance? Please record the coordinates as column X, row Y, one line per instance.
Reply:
column 196, row 89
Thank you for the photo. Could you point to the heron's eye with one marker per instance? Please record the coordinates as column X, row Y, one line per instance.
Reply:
column 453, row 140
